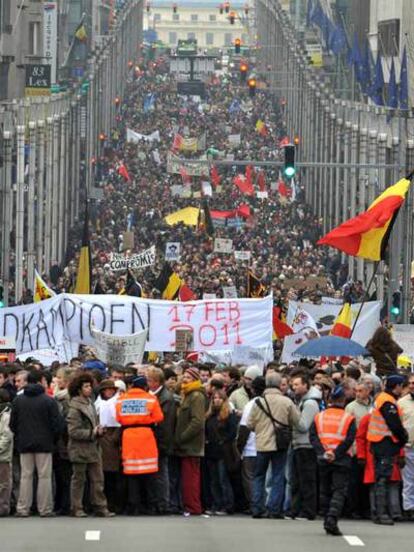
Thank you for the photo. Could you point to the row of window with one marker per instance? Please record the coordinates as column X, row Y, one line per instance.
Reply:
column 176, row 17
column 173, row 38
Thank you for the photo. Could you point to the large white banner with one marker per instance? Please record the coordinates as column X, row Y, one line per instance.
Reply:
column 219, row 324
column 324, row 315
column 135, row 137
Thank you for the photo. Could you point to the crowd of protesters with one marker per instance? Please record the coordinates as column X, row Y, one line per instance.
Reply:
column 280, row 232
column 61, row 434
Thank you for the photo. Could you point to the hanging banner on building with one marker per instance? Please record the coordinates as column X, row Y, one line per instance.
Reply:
column 50, row 15
column 218, row 324
column 119, row 349
column 325, row 315
column 136, row 262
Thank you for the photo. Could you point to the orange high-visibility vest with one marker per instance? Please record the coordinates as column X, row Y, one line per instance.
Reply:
column 332, row 426
column 136, row 409
column 377, row 427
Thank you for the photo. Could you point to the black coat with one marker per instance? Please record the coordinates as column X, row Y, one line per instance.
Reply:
column 164, row 432
column 218, row 433
column 35, row 420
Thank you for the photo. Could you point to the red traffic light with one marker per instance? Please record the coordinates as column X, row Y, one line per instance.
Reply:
column 252, row 82
column 117, row 100
column 243, row 67
column 232, row 17
column 102, row 136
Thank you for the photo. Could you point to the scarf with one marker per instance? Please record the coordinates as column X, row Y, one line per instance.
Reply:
column 187, row 388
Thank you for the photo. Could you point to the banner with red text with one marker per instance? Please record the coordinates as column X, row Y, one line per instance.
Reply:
column 217, row 324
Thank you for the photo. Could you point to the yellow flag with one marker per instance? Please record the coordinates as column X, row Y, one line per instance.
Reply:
column 80, row 33
column 189, row 216
column 41, row 290
column 83, row 279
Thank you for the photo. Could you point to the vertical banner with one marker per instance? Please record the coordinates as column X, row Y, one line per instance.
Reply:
column 50, row 15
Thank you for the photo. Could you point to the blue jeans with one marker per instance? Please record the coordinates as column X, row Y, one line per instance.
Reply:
column 221, row 489
column 277, row 460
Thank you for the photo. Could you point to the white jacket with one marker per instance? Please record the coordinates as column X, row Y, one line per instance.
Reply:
column 6, row 436
column 406, row 405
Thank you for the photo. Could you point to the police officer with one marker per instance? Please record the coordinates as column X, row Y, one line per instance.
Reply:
column 331, row 435
column 387, row 436
column 137, row 411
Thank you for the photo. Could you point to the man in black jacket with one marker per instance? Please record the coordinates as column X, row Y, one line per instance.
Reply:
column 164, row 432
column 36, row 423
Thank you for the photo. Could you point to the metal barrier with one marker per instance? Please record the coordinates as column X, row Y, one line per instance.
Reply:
column 47, row 147
column 368, row 141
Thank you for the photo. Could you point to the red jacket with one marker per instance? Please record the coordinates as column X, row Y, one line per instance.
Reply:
column 363, row 451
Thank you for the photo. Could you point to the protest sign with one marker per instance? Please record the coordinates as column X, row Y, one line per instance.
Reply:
column 175, row 164
column 313, row 282
column 325, row 316
column 67, row 319
column 184, row 340
column 234, row 139
column 141, row 260
column 209, row 296
column 172, row 251
column 242, row 255
column 135, row 137
column 229, row 292
column 262, row 195
column 290, row 344
column 240, row 355
column 332, row 301
column 119, row 349
column 206, row 189
column 176, row 190
column 223, row 245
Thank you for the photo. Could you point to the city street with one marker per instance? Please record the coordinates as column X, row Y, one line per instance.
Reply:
column 176, row 534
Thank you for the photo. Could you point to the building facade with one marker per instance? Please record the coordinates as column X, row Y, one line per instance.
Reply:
column 200, row 20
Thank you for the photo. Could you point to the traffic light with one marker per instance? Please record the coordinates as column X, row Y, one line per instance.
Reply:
column 289, row 169
column 221, row 8
column 246, row 9
column 117, row 101
column 237, row 45
column 296, row 140
column 102, row 137
column 1, row 296
column 252, row 87
column 148, row 7
column 243, row 71
column 227, row 7
column 396, row 303
column 175, row 8
column 232, row 17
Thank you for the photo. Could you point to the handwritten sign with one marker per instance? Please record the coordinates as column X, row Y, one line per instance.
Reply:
column 120, row 349
column 223, row 245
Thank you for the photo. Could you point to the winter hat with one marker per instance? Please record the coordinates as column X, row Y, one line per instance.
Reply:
column 140, row 381
column 253, row 372
column 194, row 373
column 94, row 365
column 120, row 385
column 106, row 384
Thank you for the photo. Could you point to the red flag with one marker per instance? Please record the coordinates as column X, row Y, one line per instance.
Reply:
column 283, row 189
column 215, row 177
column 249, row 174
column 284, row 141
column 261, row 181
column 123, row 171
column 186, row 293
column 178, row 142
column 244, row 185
column 243, row 210
column 185, row 176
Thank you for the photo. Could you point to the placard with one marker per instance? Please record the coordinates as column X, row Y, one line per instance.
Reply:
column 172, row 251
column 262, row 195
column 119, row 349
column 242, row 255
column 223, row 245
column 136, row 262
column 184, row 340
column 229, row 292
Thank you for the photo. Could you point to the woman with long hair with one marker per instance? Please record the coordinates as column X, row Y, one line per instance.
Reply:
column 221, row 431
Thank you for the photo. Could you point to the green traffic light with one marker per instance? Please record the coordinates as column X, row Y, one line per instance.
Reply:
column 289, row 172
column 395, row 311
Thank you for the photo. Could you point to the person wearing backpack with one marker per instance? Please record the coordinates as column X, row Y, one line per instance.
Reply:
column 272, row 418
column 304, row 465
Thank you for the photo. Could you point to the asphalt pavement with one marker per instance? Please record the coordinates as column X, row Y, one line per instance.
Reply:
column 196, row 534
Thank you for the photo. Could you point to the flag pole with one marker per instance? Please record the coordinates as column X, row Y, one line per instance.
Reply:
column 366, row 296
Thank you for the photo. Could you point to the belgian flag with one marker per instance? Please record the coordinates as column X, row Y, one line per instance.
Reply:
column 255, row 288
column 80, row 32
column 367, row 234
column 205, row 222
column 132, row 287
column 168, row 283
column 84, row 276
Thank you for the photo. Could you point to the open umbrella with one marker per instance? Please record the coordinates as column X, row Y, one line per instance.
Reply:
column 330, row 345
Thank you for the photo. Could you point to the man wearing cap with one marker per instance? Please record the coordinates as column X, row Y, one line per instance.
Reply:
column 241, row 396
column 189, row 439
column 137, row 411
column 387, row 436
column 331, row 435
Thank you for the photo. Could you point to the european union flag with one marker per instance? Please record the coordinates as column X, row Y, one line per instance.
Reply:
column 234, row 106
column 365, row 69
column 149, row 102
column 338, row 40
column 404, row 81
column 392, row 95
column 376, row 92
